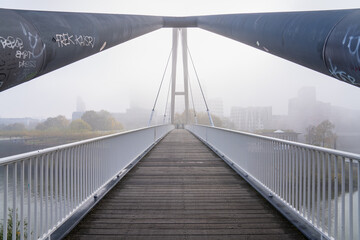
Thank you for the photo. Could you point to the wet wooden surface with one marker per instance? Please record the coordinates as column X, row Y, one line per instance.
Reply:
column 182, row 190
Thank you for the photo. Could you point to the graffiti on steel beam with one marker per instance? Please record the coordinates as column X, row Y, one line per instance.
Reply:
column 36, row 46
column 66, row 39
column 11, row 42
column 352, row 43
column 341, row 75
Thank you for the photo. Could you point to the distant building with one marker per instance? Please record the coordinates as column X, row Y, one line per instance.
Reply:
column 80, row 105
column 286, row 135
column 29, row 123
column 305, row 110
column 77, row 115
column 280, row 122
column 251, row 118
column 135, row 118
column 80, row 109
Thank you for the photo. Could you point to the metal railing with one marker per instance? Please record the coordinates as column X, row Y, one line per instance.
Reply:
column 319, row 185
column 40, row 190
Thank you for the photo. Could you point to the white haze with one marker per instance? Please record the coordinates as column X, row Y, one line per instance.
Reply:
column 129, row 74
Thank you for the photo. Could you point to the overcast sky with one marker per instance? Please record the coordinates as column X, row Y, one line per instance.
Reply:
column 129, row 74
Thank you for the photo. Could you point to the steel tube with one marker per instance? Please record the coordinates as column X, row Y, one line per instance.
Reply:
column 37, row 42
column 325, row 41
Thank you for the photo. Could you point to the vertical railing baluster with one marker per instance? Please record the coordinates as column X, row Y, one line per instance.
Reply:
column 41, row 195
column 6, row 184
column 318, row 196
column 304, row 160
column 336, row 185
column 61, row 196
column 78, row 190
column 313, row 187
column 301, row 208
column 86, row 153
column 282, row 182
column 296, row 179
column 292, row 154
column 56, row 180
column 329, row 193
column 46, row 192
column 14, row 209
column 72, row 199
column 22, row 180
column 286, row 174
column 358, row 199
column 52, row 162
column 36, row 192
column 29, row 219
column 342, row 198
column 79, row 173
column 68, row 181
column 351, row 223
column 323, row 191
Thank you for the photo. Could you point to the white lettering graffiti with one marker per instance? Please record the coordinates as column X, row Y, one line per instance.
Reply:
column 341, row 74
column 24, row 54
column 27, row 64
column 11, row 42
column 34, row 42
column 65, row 39
column 352, row 43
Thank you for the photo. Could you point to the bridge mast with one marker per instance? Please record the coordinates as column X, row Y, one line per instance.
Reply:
column 185, row 93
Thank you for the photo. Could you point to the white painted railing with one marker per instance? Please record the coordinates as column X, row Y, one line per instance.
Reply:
column 319, row 185
column 42, row 189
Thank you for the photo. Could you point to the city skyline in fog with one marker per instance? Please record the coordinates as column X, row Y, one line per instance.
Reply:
column 129, row 74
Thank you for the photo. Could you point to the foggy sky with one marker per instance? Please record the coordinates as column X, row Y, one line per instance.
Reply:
column 129, row 74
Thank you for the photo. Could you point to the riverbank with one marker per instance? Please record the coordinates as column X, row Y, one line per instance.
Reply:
column 12, row 143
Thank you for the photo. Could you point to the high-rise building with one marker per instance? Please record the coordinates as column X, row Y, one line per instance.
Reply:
column 251, row 118
column 305, row 110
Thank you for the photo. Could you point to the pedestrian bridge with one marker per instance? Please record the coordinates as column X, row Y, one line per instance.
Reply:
column 165, row 183
column 200, row 182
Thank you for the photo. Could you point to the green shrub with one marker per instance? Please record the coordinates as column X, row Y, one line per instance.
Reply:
column 10, row 227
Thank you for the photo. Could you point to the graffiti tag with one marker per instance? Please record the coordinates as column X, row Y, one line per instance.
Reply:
column 27, row 64
column 352, row 43
column 335, row 72
column 66, row 39
column 11, row 42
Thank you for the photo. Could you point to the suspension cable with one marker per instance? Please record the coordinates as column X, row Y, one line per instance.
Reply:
column 157, row 95
column 192, row 100
column 207, row 108
column 167, row 100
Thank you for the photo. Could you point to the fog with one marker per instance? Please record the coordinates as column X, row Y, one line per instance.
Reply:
column 129, row 74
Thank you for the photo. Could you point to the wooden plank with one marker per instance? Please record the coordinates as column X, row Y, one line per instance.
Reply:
column 182, row 190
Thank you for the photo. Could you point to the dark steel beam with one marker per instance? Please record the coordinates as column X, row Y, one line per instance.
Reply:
column 325, row 41
column 33, row 43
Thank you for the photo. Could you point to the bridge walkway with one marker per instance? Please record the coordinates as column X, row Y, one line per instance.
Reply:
column 182, row 190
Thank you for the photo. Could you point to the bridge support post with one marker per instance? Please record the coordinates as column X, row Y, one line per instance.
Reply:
column 185, row 93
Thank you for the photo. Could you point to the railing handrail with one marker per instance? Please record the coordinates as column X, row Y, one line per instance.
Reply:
column 306, row 183
column 345, row 154
column 21, row 156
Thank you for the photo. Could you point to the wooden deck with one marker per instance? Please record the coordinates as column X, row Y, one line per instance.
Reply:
column 182, row 190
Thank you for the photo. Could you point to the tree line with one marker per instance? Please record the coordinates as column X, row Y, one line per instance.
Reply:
column 90, row 121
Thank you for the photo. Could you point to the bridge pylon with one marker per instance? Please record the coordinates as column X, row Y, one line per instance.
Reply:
column 185, row 92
